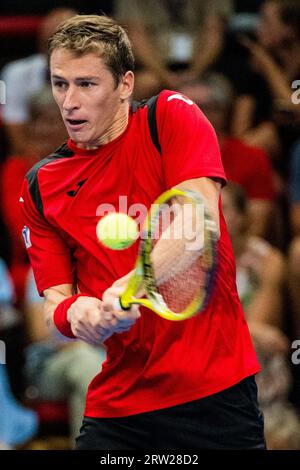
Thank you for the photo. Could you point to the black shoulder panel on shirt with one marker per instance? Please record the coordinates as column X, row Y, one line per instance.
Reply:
column 62, row 152
column 151, row 105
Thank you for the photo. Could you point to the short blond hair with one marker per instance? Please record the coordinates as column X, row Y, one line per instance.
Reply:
column 101, row 35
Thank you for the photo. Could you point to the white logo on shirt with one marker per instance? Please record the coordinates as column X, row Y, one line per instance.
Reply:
column 180, row 97
column 26, row 236
column 21, row 199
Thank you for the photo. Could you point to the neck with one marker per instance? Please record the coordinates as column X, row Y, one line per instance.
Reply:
column 115, row 129
column 118, row 126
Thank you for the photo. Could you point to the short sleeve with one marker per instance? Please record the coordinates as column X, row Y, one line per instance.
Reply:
column 188, row 141
column 49, row 255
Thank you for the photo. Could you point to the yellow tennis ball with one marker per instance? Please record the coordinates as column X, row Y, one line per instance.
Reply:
column 117, row 231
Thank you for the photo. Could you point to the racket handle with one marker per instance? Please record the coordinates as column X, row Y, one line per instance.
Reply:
column 117, row 305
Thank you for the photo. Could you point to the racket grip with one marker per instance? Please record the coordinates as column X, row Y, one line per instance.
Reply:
column 117, row 305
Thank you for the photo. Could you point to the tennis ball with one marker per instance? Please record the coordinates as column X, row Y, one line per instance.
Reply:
column 117, row 231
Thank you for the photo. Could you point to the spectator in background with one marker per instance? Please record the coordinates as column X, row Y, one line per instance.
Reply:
column 294, row 249
column 261, row 268
column 294, row 258
column 248, row 166
column 172, row 39
column 56, row 368
column 17, row 424
column 45, row 132
column 25, row 77
column 294, row 189
column 276, row 59
column 261, row 274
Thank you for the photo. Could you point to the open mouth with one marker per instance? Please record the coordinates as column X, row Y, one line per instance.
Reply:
column 76, row 122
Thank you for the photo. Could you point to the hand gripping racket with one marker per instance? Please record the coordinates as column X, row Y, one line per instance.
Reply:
column 177, row 258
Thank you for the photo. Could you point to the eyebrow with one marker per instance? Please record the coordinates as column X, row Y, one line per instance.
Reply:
column 78, row 79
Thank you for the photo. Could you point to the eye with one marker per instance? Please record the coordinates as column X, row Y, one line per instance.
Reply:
column 86, row 84
column 60, row 84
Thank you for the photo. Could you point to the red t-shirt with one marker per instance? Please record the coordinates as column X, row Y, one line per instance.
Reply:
column 250, row 167
column 157, row 363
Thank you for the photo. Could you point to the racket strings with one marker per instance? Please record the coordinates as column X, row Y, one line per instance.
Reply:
column 182, row 287
column 180, row 270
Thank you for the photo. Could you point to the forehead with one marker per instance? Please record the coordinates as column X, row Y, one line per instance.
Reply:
column 65, row 63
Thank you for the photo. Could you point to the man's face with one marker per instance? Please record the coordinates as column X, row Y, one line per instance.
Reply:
column 87, row 96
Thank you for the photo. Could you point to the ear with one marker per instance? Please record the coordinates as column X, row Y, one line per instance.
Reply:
column 126, row 85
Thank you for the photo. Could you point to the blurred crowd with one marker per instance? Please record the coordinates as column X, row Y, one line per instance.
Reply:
column 239, row 62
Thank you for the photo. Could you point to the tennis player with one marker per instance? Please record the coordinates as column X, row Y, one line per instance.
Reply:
column 165, row 385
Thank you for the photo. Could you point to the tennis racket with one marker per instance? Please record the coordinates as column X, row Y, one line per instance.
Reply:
column 176, row 263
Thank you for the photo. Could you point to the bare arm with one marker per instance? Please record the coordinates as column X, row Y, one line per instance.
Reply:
column 208, row 44
column 243, row 113
column 268, row 338
column 183, row 225
column 54, row 296
column 209, row 190
column 278, row 81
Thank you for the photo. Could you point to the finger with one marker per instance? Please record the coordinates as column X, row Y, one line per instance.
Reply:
column 125, row 315
column 101, row 317
column 112, row 293
column 84, row 326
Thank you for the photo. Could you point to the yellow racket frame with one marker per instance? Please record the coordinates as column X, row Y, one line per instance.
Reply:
column 143, row 274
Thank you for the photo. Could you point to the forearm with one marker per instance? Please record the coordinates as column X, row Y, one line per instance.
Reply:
column 209, row 191
column 279, row 84
column 180, row 244
column 53, row 297
column 182, row 241
column 205, row 56
column 243, row 115
column 208, row 42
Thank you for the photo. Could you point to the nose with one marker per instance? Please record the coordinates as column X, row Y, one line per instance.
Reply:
column 71, row 101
